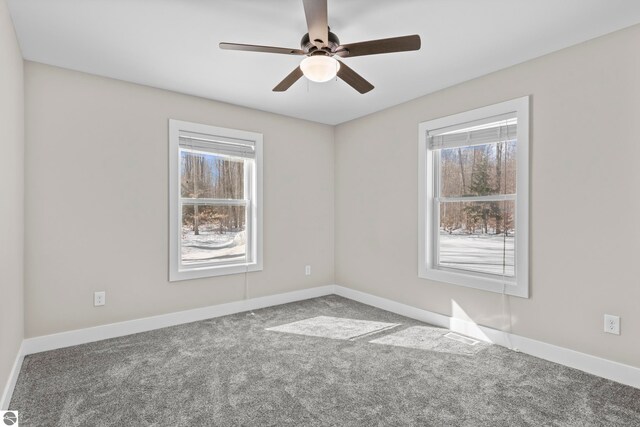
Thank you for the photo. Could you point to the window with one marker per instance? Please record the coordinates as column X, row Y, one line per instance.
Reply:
column 215, row 195
column 473, row 198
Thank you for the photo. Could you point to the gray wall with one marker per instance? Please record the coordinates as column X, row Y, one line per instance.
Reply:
column 97, row 201
column 584, row 235
column 11, row 195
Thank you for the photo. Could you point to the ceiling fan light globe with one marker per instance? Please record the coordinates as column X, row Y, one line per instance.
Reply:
column 319, row 68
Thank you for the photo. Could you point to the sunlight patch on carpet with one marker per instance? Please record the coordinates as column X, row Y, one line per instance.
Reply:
column 430, row 338
column 334, row 327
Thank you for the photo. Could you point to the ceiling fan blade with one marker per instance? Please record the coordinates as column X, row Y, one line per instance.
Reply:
column 257, row 48
column 374, row 47
column 317, row 21
column 354, row 79
column 289, row 80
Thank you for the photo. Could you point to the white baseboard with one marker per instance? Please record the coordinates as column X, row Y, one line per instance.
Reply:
column 12, row 380
column 113, row 330
column 604, row 368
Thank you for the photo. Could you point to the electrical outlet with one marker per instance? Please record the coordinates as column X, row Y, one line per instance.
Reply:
column 99, row 298
column 307, row 270
column 612, row 324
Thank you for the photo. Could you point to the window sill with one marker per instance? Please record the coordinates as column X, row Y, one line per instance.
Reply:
column 202, row 272
column 506, row 286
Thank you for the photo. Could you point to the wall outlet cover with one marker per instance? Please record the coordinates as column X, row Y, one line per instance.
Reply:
column 99, row 298
column 612, row 324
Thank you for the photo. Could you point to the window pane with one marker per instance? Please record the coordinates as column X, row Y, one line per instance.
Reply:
column 205, row 175
column 478, row 170
column 478, row 236
column 213, row 234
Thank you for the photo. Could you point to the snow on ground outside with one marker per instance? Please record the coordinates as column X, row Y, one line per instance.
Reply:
column 211, row 245
column 482, row 253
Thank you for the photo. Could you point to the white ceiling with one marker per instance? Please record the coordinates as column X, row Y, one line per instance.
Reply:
column 173, row 44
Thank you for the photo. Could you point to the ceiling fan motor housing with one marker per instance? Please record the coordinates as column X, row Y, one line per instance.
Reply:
column 308, row 47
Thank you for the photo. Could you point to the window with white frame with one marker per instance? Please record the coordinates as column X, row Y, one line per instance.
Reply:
column 473, row 198
column 215, row 195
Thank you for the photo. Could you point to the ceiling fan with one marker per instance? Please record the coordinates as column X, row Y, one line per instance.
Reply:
column 320, row 47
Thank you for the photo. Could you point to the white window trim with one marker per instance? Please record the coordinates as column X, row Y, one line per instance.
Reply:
column 426, row 269
column 175, row 272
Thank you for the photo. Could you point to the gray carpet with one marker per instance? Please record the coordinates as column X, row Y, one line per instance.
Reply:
column 231, row 371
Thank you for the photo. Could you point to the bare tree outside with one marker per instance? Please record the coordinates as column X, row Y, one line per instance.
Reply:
column 211, row 230
column 478, row 235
